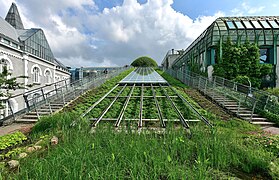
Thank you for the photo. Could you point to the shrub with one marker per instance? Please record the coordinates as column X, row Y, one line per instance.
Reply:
column 144, row 61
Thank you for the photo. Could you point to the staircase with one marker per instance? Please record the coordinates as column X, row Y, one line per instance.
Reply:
column 234, row 107
column 54, row 105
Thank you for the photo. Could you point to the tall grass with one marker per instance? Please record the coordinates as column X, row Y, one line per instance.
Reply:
column 108, row 154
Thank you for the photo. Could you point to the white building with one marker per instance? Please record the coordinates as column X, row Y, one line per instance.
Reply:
column 27, row 52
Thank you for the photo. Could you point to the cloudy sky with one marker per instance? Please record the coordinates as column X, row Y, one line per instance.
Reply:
column 115, row 32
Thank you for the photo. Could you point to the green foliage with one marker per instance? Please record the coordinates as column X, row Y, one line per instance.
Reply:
column 144, row 61
column 242, row 80
column 11, row 140
column 108, row 154
column 270, row 116
column 56, row 122
column 273, row 91
column 241, row 61
column 8, row 83
column 123, row 154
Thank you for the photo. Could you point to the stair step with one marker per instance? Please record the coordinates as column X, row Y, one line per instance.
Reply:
column 39, row 112
column 248, row 114
column 57, row 104
column 26, row 121
column 241, row 111
column 231, row 105
column 263, row 123
column 256, row 119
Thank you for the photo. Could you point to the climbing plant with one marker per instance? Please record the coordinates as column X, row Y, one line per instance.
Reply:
column 241, row 60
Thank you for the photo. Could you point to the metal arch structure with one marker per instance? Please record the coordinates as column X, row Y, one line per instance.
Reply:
column 144, row 80
column 204, row 50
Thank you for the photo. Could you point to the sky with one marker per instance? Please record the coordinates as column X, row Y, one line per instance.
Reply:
column 87, row 33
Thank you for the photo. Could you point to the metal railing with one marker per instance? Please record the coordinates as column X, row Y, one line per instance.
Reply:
column 245, row 96
column 44, row 95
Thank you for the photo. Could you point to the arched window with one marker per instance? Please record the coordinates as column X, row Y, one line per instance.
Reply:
column 36, row 75
column 48, row 77
column 5, row 63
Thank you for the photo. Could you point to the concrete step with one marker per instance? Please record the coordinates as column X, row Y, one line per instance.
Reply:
column 263, row 123
column 260, row 119
column 241, row 111
column 248, row 115
column 27, row 116
column 26, row 121
column 231, row 105
column 40, row 113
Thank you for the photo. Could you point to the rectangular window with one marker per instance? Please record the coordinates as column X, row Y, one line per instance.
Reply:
column 248, row 25
column 274, row 24
column 6, row 41
column 239, row 25
column 14, row 45
column 265, row 54
column 230, row 25
column 256, row 24
column 265, row 24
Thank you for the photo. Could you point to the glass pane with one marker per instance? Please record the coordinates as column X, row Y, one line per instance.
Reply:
column 265, row 24
column 230, row 25
column 239, row 25
column 256, row 24
column 274, row 24
column 248, row 25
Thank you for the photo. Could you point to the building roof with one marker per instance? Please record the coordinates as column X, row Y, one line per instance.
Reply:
column 7, row 30
column 32, row 40
column 24, row 34
column 258, row 29
column 13, row 17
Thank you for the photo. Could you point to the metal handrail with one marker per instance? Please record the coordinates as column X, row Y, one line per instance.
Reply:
column 46, row 95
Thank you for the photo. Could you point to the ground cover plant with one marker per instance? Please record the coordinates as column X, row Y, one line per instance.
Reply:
column 228, row 150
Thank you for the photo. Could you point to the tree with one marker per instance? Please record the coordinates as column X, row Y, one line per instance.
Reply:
column 144, row 61
column 7, row 84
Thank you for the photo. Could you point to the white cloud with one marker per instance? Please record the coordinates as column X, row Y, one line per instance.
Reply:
column 79, row 35
column 247, row 9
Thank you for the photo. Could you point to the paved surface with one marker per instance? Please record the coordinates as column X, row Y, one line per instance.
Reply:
column 24, row 128
column 272, row 130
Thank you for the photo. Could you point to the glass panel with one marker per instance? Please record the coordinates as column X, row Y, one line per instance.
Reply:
column 256, row 24
column 230, row 25
column 239, row 25
column 248, row 25
column 265, row 24
column 274, row 24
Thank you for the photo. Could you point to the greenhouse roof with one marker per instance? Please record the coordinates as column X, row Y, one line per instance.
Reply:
column 143, row 75
column 259, row 29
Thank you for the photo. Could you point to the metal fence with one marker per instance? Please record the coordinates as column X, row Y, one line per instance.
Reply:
column 254, row 99
column 38, row 97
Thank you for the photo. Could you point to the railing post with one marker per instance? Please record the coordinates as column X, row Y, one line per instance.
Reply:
column 199, row 83
column 26, row 102
column 42, row 90
column 254, row 106
column 66, row 85
column 238, row 108
column 214, row 82
column 11, row 109
column 56, row 90
column 205, row 86
column 266, row 102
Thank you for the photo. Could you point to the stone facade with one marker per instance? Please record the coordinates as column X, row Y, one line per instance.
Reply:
column 20, row 62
